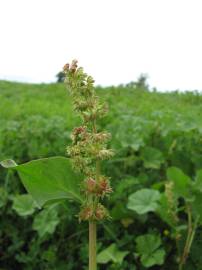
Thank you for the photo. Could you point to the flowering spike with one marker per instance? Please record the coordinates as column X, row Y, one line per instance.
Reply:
column 89, row 145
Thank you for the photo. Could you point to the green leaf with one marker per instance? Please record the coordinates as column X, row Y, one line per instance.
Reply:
column 149, row 250
column 181, row 181
column 197, row 205
column 147, row 243
column 152, row 158
column 24, row 205
column 8, row 163
column 49, row 179
column 197, row 191
column 144, row 201
column 198, row 181
column 111, row 254
column 46, row 221
column 156, row 258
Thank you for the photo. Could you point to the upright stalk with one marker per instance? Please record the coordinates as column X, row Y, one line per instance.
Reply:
column 88, row 149
column 92, row 245
column 190, row 237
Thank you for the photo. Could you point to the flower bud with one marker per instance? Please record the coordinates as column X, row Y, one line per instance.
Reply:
column 105, row 154
column 101, row 137
column 74, row 65
column 104, row 186
column 66, row 68
column 100, row 212
column 86, row 213
column 80, row 105
column 79, row 130
column 90, row 185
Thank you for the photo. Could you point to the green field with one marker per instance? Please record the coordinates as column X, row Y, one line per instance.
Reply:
column 151, row 132
column 22, row 100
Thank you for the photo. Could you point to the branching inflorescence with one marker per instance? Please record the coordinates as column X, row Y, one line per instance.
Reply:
column 89, row 145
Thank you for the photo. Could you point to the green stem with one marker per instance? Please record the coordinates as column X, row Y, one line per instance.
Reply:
column 190, row 237
column 93, row 225
column 92, row 245
column 185, row 251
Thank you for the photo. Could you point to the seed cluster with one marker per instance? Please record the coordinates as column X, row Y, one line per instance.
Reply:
column 172, row 207
column 89, row 145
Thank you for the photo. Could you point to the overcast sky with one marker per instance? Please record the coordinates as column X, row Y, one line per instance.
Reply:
column 114, row 40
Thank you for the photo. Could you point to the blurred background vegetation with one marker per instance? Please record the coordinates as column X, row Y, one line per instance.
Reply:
column 150, row 132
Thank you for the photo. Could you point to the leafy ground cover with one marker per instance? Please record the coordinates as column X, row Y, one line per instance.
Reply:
column 157, row 138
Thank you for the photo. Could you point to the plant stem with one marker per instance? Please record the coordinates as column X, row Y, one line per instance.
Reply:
column 193, row 234
column 92, row 245
column 190, row 237
column 185, row 251
column 92, row 224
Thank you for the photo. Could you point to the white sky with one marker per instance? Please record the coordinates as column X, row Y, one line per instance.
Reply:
column 114, row 40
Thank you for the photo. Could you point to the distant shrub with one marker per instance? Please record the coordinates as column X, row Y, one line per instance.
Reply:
column 140, row 84
column 60, row 77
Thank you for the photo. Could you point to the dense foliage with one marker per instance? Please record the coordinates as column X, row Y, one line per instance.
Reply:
column 156, row 174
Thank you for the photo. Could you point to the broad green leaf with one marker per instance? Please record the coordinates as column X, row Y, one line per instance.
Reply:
column 198, row 181
column 24, row 204
column 128, row 132
column 197, row 205
column 182, row 182
column 197, row 191
column 149, row 249
column 46, row 221
column 148, row 243
column 111, row 254
column 144, row 201
column 156, row 258
column 152, row 158
column 49, row 179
